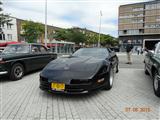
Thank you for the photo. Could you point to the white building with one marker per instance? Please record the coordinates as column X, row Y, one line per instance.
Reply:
column 9, row 31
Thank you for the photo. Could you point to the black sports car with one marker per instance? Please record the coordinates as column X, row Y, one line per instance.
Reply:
column 87, row 69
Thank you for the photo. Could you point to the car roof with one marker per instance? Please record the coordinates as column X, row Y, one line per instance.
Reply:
column 27, row 44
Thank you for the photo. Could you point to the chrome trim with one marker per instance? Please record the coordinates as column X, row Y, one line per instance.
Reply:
column 4, row 72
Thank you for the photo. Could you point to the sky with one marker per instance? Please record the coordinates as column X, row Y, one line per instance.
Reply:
column 70, row 13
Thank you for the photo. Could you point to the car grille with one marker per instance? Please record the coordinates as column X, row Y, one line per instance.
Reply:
column 80, row 81
column 44, row 84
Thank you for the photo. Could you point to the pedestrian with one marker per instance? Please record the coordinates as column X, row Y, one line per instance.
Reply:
column 138, row 50
column 129, row 48
column 142, row 51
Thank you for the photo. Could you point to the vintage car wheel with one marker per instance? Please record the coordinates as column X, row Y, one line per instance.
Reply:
column 17, row 71
column 156, row 84
column 109, row 79
column 145, row 70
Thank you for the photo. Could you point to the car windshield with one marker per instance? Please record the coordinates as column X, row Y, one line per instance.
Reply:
column 16, row 49
column 157, row 51
column 92, row 52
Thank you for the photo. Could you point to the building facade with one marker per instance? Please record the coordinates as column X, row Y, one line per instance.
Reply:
column 9, row 31
column 139, row 22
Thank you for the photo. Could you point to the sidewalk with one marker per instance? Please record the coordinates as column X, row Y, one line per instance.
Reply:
column 124, row 53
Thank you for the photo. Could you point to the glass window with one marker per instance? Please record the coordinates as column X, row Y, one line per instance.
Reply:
column 9, row 36
column 16, row 49
column 43, row 49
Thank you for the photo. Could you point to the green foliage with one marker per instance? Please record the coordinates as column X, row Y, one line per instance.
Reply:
column 4, row 18
column 72, row 35
column 107, row 40
column 32, row 31
column 60, row 34
column 76, row 36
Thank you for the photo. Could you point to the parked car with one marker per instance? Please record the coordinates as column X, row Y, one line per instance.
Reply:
column 86, row 70
column 18, row 59
column 152, row 67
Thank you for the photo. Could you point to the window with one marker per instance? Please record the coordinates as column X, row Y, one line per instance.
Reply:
column 2, row 36
column 9, row 26
column 9, row 36
column 2, row 25
column 35, row 49
column 43, row 49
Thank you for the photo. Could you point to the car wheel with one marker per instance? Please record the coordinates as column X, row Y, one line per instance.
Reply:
column 145, row 70
column 109, row 79
column 156, row 84
column 17, row 71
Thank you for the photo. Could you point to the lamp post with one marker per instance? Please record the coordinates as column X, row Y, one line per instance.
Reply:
column 99, row 40
column 45, row 23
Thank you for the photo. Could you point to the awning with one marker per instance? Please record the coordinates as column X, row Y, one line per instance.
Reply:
column 4, row 44
column 54, row 45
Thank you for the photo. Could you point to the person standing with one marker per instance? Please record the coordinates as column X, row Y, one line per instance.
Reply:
column 129, row 48
column 138, row 50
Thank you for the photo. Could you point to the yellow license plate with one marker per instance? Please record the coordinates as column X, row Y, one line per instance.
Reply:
column 58, row 86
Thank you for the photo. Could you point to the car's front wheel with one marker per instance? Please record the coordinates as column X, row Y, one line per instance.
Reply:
column 17, row 71
column 109, row 79
column 156, row 84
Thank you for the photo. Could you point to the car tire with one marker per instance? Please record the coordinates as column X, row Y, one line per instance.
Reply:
column 156, row 84
column 17, row 71
column 109, row 80
column 145, row 70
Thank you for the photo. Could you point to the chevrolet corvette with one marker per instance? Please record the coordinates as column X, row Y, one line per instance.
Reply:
column 85, row 70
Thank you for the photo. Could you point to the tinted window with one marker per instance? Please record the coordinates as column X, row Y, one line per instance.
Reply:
column 35, row 49
column 16, row 49
column 157, row 51
column 43, row 49
column 93, row 52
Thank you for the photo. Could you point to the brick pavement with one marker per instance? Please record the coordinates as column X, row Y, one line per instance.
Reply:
column 23, row 100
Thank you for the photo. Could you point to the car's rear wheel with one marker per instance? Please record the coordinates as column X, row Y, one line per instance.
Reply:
column 145, row 70
column 156, row 84
column 17, row 71
column 109, row 79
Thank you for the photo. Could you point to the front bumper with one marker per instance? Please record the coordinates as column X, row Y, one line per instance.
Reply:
column 3, row 72
column 71, row 88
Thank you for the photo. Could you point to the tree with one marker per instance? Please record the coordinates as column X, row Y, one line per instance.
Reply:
column 75, row 35
column 32, row 31
column 107, row 40
column 60, row 34
column 4, row 18
column 72, row 35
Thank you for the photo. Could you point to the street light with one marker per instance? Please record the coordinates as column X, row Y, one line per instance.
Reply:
column 45, row 23
column 99, row 40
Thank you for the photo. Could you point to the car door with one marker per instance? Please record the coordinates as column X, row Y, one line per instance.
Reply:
column 34, row 58
column 46, row 57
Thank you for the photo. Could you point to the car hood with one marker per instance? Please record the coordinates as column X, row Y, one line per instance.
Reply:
column 65, row 69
